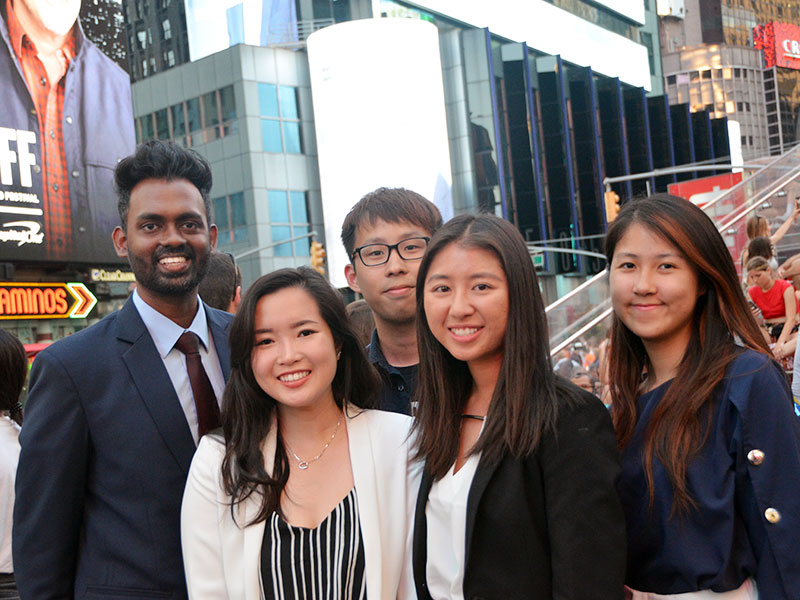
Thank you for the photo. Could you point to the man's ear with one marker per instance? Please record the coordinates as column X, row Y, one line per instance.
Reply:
column 237, row 300
column 212, row 236
column 120, row 239
column 352, row 278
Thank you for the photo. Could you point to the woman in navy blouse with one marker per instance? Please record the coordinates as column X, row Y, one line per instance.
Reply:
column 710, row 445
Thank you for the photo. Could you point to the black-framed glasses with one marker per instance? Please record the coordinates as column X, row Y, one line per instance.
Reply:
column 373, row 255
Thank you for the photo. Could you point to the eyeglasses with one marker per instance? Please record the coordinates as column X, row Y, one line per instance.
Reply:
column 373, row 255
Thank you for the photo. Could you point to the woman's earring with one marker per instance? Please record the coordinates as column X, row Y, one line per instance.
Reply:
column 338, row 355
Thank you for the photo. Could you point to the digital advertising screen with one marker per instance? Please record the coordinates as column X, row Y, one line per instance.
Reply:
column 379, row 118
column 780, row 43
column 214, row 25
column 64, row 125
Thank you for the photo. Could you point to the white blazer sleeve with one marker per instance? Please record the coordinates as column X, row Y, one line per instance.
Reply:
column 407, row 590
column 200, row 524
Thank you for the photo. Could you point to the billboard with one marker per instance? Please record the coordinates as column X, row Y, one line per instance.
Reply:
column 214, row 25
column 780, row 43
column 64, row 126
column 379, row 118
column 552, row 30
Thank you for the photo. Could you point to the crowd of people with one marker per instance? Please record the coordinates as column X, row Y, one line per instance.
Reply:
column 174, row 450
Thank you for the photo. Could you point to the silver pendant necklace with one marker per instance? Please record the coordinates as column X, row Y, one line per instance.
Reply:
column 303, row 464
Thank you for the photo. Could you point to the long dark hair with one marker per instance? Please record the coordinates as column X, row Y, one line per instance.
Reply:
column 525, row 402
column 677, row 431
column 248, row 412
column 13, row 371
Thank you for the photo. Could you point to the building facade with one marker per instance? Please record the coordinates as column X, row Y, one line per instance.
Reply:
column 712, row 60
column 539, row 110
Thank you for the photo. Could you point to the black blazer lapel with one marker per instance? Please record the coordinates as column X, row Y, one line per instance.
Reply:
column 155, row 388
column 483, row 474
column 420, row 543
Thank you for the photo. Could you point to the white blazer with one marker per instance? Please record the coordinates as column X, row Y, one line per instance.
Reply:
column 222, row 558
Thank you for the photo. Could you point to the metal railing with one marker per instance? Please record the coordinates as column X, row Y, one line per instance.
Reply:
column 771, row 190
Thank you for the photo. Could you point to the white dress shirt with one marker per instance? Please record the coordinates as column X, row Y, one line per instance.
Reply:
column 165, row 333
column 446, row 513
column 9, row 456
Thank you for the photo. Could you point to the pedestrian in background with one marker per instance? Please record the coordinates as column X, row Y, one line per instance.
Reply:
column 517, row 499
column 710, row 445
column 13, row 371
column 221, row 288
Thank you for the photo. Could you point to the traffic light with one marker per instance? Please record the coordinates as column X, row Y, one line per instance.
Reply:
column 612, row 205
column 318, row 257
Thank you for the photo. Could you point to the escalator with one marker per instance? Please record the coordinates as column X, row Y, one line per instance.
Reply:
column 585, row 312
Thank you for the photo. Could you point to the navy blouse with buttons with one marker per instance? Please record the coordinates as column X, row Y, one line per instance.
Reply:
column 747, row 520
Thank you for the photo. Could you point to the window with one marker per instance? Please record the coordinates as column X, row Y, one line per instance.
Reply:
column 167, row 26
column 141, row 36
column 280, row 119
column 670, row 79
column 706, row 74
column 288, row 215
column 162, row 125
column 193, row 115
column 178, row 121
column 230, row 218
column 171, row 58
column 227, row 109
column 210, row 115
column 196, row 121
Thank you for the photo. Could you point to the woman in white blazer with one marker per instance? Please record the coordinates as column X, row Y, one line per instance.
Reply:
column 307, row 492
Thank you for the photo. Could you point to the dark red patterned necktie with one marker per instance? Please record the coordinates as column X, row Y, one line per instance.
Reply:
column 204, row 399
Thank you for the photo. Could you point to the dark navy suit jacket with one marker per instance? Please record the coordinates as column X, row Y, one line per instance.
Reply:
column 106, row 450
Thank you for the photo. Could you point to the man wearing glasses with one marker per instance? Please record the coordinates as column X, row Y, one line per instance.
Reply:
column 385, row 235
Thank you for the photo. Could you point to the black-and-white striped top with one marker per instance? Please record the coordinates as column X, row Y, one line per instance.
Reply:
column 324, row 563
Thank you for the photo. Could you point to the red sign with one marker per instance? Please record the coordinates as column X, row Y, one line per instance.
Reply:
column 704, row 190
column 780, row 43
column 45, row 301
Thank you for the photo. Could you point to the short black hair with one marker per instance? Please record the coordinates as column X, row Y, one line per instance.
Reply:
column 13, row 372
column 158, row 159
column 218, row 287
column 392, row 205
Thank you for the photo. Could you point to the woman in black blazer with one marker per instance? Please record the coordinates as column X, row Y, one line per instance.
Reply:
column 517, row 498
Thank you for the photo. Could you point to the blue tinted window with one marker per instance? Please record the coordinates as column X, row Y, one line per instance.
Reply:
column 301, row 246
column 178, row 122
column 193, row 112
column 238, row 217
column 288, row 102
column 278, row 207
column 281, row 233
column 267, row 100
column 271, row 136
column 220, row 213
column 299, row 214
column 291, row 136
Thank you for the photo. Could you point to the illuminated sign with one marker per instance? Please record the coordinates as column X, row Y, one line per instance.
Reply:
column 64, row 209
column 780, row 43
column 553, row 30
column 393, row 93
column 45, row 301
column 116, row 275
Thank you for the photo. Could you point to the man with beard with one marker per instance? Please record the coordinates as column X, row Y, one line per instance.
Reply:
column 385, row 235
column 115, row 412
